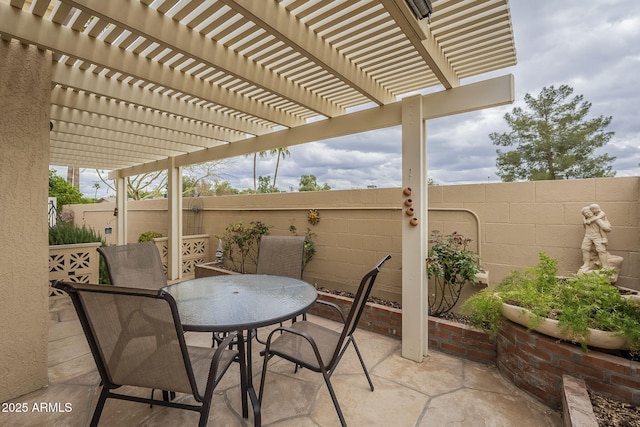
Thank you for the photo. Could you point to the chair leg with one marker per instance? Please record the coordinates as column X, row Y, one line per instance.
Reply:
column 168, row 396
column 364, row 368
column 204, row 411
column 334, row 399
column 262, row 376
column 99, row 407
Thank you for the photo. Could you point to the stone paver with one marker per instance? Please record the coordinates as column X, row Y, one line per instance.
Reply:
column 442, row 390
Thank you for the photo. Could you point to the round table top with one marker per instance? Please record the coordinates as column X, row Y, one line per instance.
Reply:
column 240, row 301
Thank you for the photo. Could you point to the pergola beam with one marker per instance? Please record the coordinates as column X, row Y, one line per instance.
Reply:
column 105, row 107
column 472, row 97
column 423, row 41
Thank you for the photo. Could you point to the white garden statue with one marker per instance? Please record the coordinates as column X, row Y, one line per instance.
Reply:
column 595, row 242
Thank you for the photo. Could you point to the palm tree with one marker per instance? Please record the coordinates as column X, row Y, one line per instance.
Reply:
column 280, row 152
column 255, row 162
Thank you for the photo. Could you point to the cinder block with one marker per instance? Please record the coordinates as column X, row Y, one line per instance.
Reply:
column 559, row 235
column 464, row 193
column 619, row 189
column 510, row 192
column 536, row 213
column 495, row 212
column 515, row 234
column 573, row 190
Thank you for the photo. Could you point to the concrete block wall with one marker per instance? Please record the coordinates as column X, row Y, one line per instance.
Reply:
column 519, row 220
column 510, row 223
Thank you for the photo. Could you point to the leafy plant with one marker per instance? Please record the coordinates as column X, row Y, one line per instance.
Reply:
column 240, row 243
column 148, row 236
column 309, row 244
column 579, row 303
column 451, row 265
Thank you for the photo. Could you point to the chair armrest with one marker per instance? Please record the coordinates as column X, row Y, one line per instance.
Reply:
column 332, row 305
column 224, row 345
column 217, row 356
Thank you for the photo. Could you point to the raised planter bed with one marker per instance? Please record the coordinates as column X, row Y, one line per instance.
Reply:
column 534, row 362
column 209, row 269
column 551, row 327
column 376, row 317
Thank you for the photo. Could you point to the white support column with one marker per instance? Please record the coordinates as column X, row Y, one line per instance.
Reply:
column 414, row 245
column 121, row 208
column 174, row 244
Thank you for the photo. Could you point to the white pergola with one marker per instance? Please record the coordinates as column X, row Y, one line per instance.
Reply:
column 143, row 85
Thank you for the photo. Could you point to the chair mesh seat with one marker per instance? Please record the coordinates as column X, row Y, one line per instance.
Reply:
column 296, row 348
column 201, row 363
column 136, row 339
column 281, row 256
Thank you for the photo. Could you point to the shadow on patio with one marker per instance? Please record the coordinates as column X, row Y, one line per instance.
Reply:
column 443, row 390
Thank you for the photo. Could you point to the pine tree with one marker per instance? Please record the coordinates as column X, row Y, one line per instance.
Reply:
column 553, row 139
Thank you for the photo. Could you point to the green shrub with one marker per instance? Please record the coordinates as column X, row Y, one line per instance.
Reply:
column 579, row 303
column 309, row 244
column 148, row 236
column 240, row 243
column 450, row 264
column 68, row 234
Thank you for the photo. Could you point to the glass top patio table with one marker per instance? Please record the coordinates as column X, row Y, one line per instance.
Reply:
column 240, row 301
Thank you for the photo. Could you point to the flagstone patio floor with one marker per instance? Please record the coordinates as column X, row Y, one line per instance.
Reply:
column 441, row 391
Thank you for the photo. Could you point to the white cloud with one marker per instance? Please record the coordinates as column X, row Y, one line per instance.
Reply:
column 591, row 46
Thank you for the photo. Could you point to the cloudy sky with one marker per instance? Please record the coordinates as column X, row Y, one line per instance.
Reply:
column 594, row 47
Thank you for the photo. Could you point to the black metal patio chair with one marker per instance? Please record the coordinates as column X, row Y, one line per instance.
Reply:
column 134, row 265
column 278, row 256
column 125, row 355
column 318, row 348
column 281, row 256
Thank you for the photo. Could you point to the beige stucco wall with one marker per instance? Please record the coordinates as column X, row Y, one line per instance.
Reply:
column 512, row 222
column 25, row 76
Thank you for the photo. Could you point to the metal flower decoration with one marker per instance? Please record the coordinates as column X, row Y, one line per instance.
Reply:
column 313, row 216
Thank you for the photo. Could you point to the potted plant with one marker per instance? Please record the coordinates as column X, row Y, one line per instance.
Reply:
column 584, row 309
column 450, row 264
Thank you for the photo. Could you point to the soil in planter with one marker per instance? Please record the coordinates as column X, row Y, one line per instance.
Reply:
column 613, row 413
column 374, row 300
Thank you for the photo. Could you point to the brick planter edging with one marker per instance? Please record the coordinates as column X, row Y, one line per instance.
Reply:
column 376, row 317
column 536, row 363
column 446, row 336
column 461, row 340
column 533, row 362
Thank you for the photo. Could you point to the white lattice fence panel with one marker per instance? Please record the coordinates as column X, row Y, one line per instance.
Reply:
column 75, row 263
column 195, row 250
